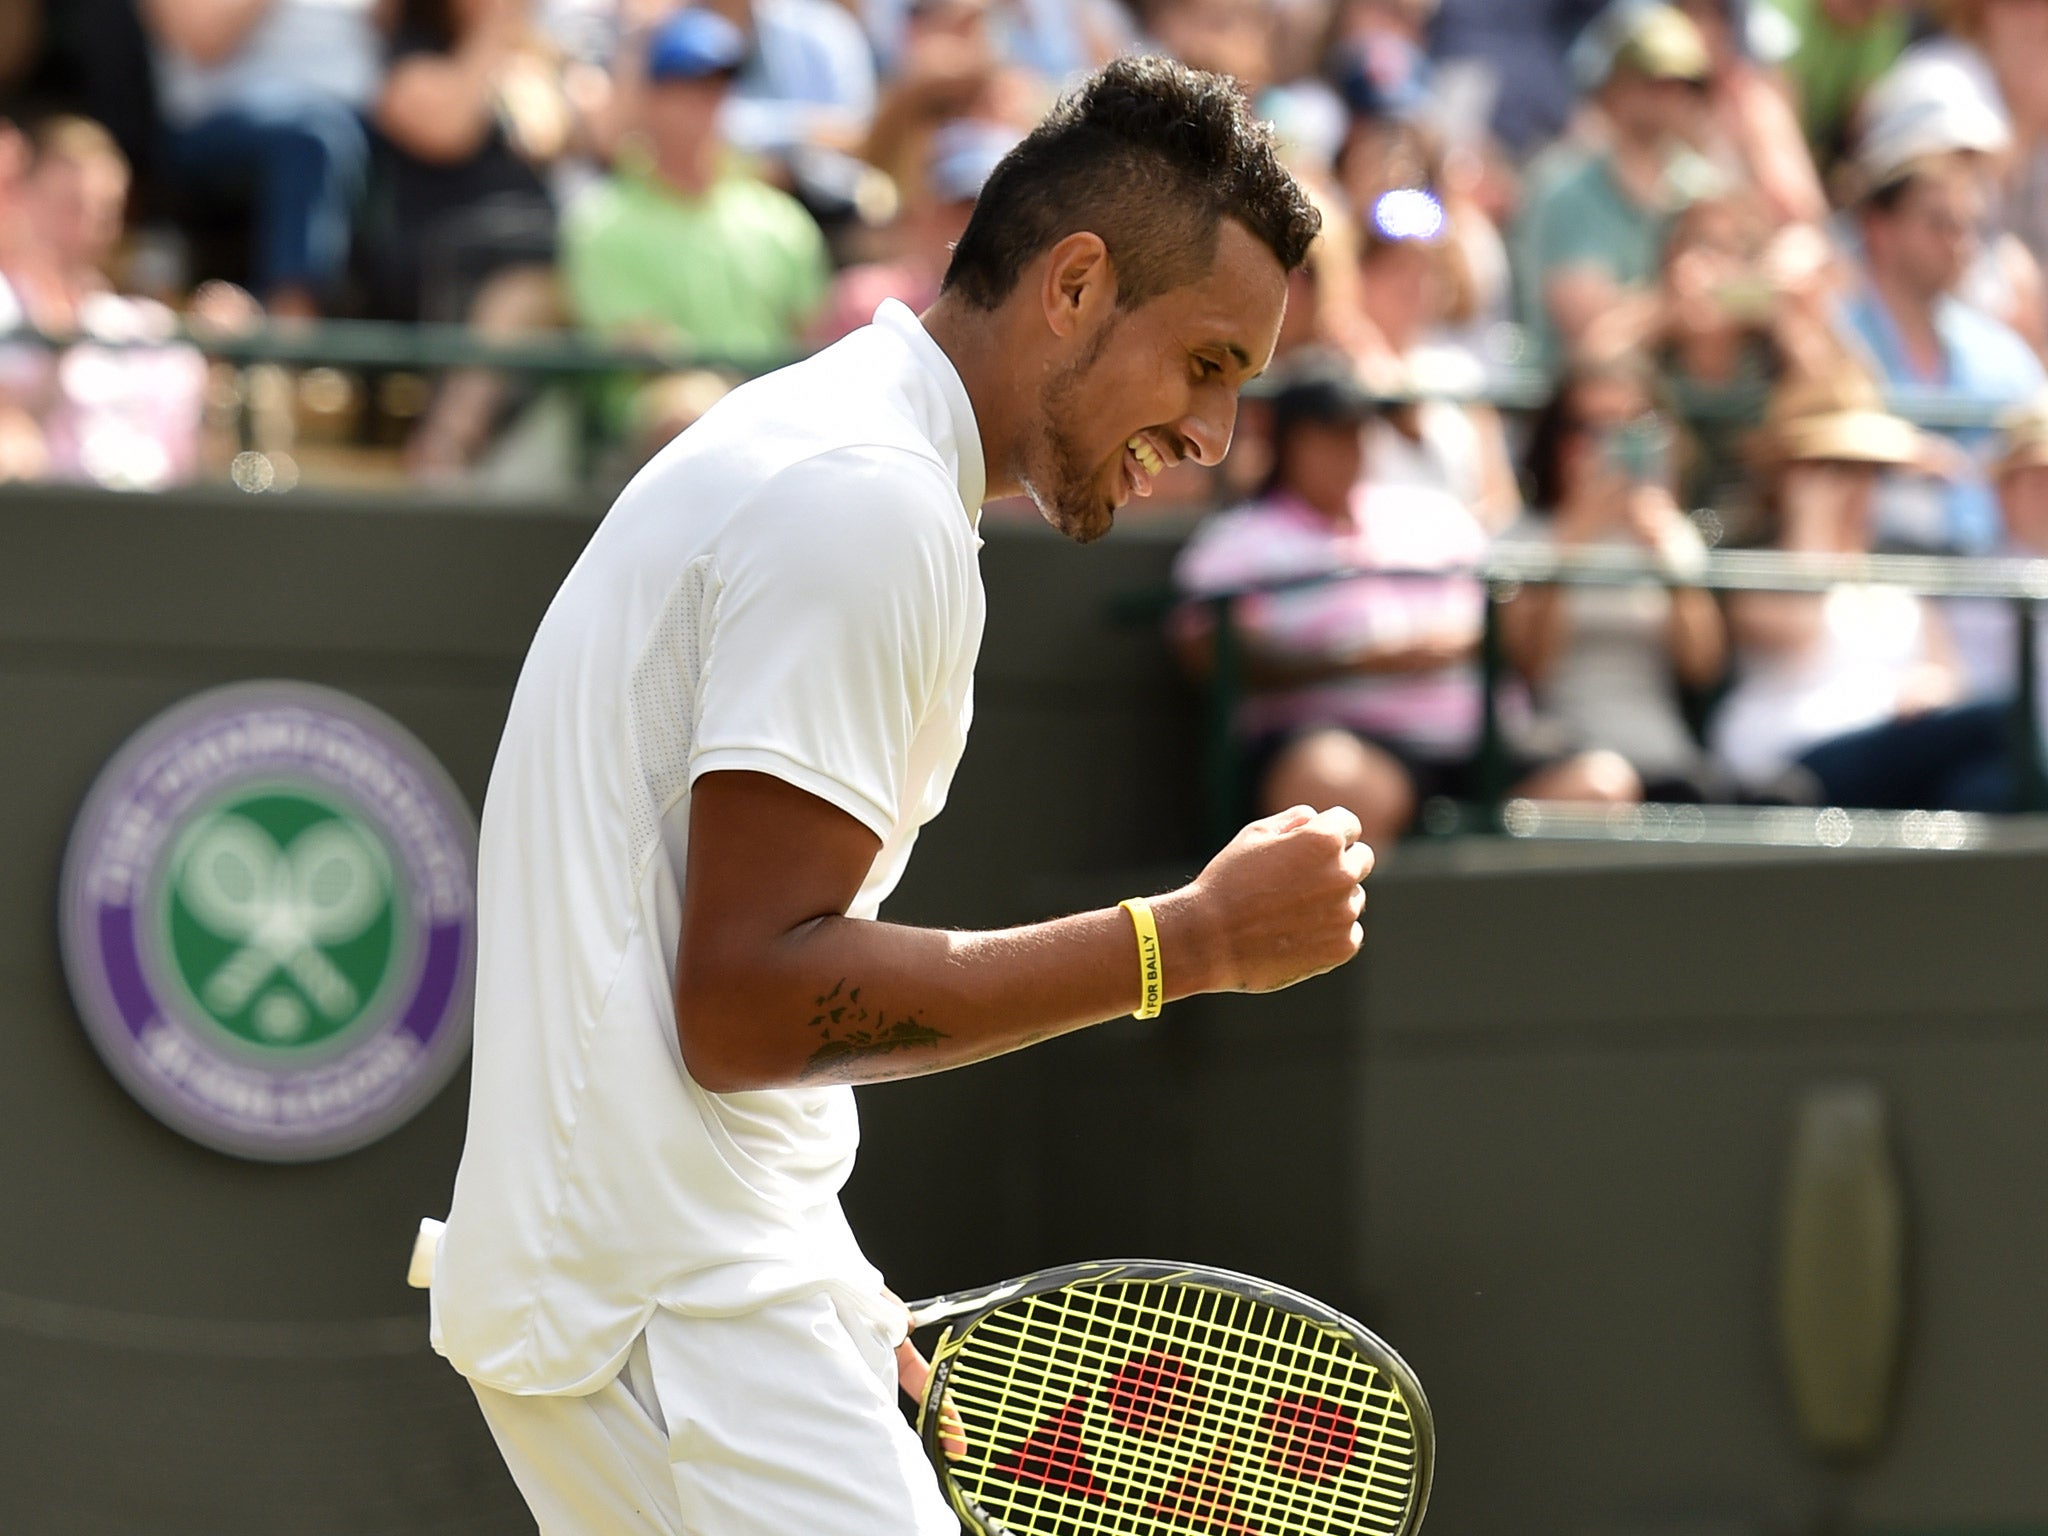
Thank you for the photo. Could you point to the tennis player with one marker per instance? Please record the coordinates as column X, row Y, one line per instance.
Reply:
column 750, row 693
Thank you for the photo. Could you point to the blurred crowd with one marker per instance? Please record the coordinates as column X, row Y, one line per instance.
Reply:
column 1824, row 205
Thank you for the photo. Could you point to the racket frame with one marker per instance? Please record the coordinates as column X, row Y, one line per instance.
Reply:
column 961, row 1311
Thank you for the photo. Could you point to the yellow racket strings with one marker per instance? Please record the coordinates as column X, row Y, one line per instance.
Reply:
column 1286, row 1431
column 1234, row 1426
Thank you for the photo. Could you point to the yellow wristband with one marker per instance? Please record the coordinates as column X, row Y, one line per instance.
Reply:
column 1151, row 979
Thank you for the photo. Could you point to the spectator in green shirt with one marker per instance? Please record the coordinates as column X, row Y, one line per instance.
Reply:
column 1590, row 240
column 683, row 245
column 1840, row 47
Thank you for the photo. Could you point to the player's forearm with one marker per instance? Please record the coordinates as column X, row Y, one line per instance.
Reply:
column 839, row 1000
column 775, row 987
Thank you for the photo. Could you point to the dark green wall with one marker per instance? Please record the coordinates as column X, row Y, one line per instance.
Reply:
column 1536, row 1137
column 1578, row 1099
column 313, row 1412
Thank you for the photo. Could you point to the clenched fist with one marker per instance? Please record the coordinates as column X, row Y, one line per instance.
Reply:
column 1282, row 900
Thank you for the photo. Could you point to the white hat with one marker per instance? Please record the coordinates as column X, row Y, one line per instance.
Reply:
column 1922, row 110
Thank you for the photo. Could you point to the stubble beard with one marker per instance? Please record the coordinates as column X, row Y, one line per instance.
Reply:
column 1059, row 481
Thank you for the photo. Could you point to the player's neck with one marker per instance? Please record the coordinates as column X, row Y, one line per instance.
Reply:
column 994, row 374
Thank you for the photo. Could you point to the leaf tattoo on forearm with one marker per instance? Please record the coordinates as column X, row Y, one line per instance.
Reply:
column 851, row 1032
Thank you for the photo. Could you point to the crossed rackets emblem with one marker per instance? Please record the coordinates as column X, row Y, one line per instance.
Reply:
column 281, row 905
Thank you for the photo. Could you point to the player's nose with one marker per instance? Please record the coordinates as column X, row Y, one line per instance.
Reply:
column 1206, row 429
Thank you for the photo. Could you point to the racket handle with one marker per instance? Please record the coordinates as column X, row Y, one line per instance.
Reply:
column 937, row 1309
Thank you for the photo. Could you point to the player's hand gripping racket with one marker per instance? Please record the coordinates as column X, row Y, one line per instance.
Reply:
column 1142, row 1398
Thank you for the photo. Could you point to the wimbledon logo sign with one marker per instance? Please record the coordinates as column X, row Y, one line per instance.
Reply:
column 268, row 920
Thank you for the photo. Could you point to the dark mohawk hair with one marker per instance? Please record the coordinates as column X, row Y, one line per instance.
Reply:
column 1150, row 155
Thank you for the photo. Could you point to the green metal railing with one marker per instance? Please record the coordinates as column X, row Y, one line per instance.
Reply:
column 577, row 364
column 1510, row 566
column 572, row 359
column 397, row 346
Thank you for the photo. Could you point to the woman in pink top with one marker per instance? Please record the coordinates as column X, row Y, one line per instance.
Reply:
column 1366, row 690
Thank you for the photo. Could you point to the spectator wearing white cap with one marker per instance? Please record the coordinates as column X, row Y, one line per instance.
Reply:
column 1589, row 240
column 1920, row 235
column 1996, row 50
column 1933, row 108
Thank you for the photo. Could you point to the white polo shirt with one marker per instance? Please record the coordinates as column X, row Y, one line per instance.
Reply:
column 790, row 587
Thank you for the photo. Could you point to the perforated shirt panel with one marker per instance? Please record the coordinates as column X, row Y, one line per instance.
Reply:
column 664, row 702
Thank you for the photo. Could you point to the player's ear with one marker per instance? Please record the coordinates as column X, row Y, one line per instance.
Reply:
column 1078, row 283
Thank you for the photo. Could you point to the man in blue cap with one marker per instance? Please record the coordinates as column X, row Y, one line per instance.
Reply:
column 682, row 244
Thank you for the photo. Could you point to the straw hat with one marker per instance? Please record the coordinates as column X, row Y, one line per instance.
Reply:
column 2023, row 441
column 1647, row 36
column 1663, row 42
column 1836, row 416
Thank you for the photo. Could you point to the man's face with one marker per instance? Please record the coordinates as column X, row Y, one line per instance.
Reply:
column 1321, row 461
column 1930, row 238
column 1650, row 111
column 77, row 207
column 1165, row 374
column 681, row 115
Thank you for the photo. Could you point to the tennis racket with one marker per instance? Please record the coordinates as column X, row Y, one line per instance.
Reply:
column 1143, row 1398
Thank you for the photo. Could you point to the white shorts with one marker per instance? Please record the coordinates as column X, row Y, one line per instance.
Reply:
column 781, row 1422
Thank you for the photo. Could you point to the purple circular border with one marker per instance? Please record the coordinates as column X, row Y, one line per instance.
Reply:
column 150, row 1048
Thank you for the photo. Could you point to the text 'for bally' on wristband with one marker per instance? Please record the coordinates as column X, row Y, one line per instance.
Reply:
column 1151, row 979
